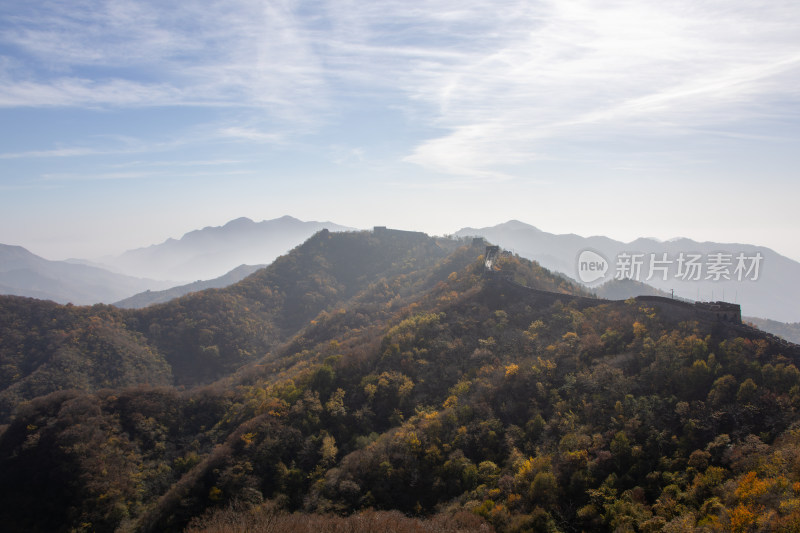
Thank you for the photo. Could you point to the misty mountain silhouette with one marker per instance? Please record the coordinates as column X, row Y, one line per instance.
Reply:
column 774, row 295
column 144, row 299
column 212, row 251
column 23, row 273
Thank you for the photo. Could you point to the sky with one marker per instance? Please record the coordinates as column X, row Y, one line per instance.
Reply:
column 126, row 122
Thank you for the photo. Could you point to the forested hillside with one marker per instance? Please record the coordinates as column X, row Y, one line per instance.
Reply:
column 387, row 372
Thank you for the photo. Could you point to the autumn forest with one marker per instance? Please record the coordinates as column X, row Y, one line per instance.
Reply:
column 383, row 381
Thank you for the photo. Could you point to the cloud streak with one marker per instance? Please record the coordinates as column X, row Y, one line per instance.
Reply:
column 136, row 175
column 498, row 83
column 586, row 73
column 138, row 53
column 58, row 152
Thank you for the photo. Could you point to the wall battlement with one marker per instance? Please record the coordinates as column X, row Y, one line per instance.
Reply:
column 383, row 230
column 722, row 311
column 725, row 315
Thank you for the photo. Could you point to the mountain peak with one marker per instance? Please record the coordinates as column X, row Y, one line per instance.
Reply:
column 214, row 250
column 239, row 222
column 15, row 250
column 515, row 224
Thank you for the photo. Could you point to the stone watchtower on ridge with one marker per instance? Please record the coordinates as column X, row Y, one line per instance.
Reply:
column 490, row 258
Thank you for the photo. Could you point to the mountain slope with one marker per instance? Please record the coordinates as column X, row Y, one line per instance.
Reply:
column 25, row 274
column 393, row 373
column 773, row 295
column 45, row 347
column 144, row 299
column 208, row 334
column 790, row 332
column 210, row 252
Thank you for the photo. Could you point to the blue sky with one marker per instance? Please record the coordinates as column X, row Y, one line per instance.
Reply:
column 125, row 122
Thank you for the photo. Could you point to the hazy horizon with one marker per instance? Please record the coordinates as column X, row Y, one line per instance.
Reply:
column 127, row 123
column 116, row 252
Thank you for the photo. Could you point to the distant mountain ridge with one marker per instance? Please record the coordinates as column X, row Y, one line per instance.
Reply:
column 790, row 332
column 144, row 299
column 210, row 252
column 211, row 255
column 23, row 273
column 775, row 295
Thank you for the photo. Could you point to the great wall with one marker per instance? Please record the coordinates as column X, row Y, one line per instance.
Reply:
column 725, row 316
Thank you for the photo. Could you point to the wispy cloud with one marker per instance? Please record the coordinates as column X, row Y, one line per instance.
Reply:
column 140, row 53
column 181, row 163
column 106, row 145
column 135, row 175
column 251, row 134
column 78, row 92
column 496, row 82
column 58, row 152
column 579, row 70
column 342, row 155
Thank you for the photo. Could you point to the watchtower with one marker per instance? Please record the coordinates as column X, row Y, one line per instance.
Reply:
column 490, row 258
